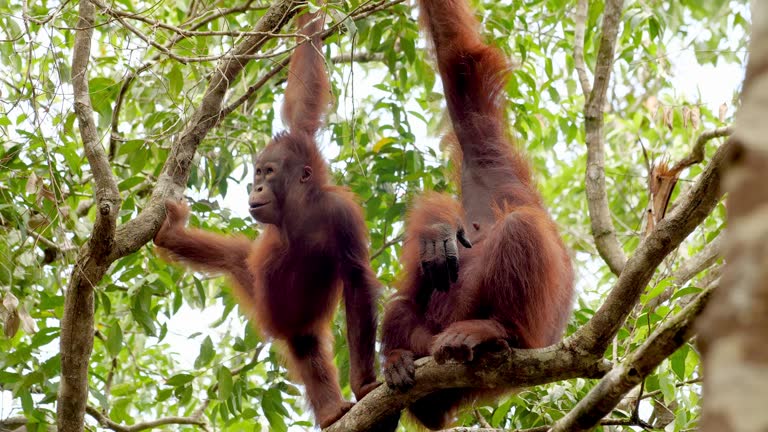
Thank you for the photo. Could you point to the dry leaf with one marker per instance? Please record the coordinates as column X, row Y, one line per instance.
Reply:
column 47, row 193
column 723, row 110
column 652, row 105
column 11, row 324
column 10, row 302
column 668, row 116
column 31, row 186
column 686, row 116
column 27, row 323
column 37, row 220
column 695, row 117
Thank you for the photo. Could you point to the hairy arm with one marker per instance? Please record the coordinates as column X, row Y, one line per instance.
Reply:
column 361, row 289
column 472, row 72
column 434, row 231
column 200, row 249
column 307, row 94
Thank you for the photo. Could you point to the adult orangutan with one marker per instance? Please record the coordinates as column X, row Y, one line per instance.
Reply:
column 313, row 246
column 512, row 283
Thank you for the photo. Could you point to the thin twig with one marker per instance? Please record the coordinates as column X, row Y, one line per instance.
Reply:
column 106, row 422
column 387, row 244
column 697, row 152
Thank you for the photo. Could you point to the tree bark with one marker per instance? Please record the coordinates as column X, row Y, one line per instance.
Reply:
column 733, row 330
column 597, row 198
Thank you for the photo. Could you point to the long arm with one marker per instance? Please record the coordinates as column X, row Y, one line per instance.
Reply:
column 203, row 250
column 307, row 94
column 474, row 74
column 361, row 289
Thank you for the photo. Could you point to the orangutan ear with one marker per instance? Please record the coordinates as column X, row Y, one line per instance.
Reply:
column 307, row 174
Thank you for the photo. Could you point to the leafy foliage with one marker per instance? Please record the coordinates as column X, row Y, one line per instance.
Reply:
column 170, row 342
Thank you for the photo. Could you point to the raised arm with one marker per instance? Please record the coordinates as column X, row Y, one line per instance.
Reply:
column 308, row 92
column 472, row 72
column 200, row 249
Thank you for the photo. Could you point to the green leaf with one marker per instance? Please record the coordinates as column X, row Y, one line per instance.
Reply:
column 225, row 382
column 180, row 379
column 273, row 409
column 500, row 413
column 657, row 290
column 123, row 389
column 667, row 387
column 114, row 339
column 689, row 290
column 175, row 81
column 677, row 361
column 206, row 353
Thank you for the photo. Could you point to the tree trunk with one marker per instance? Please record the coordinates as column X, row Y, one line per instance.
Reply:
column 734, row 329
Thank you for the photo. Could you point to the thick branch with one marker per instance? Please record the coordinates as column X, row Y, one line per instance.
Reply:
column 600, row 214
column 105, row 186
column 690, row 268
column 109, row 424
column 76, row 339
column 662, row 343
column 668, row 234
column 515, row 368
column 12, row 423
column 603, row 422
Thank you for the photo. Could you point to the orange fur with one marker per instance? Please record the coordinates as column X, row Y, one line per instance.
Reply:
column 515, row 284
column 313, row 249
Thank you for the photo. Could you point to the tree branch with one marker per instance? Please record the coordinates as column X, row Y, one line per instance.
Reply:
column 76, row 341
column 364, row 57
column 603, row 422
column 12, row 423
column 690, row 268
column 119, row 16
column 387, row 244
column 662, row 343
column 668, row 234
column 513, row 368
column 106, row 422
column 580, row 24
column 597, row 199
column 697, row 152
column 359, row 14
column 195, row 23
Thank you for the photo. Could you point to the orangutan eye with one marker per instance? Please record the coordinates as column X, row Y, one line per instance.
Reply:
column 270, row 170
column 258, row 171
